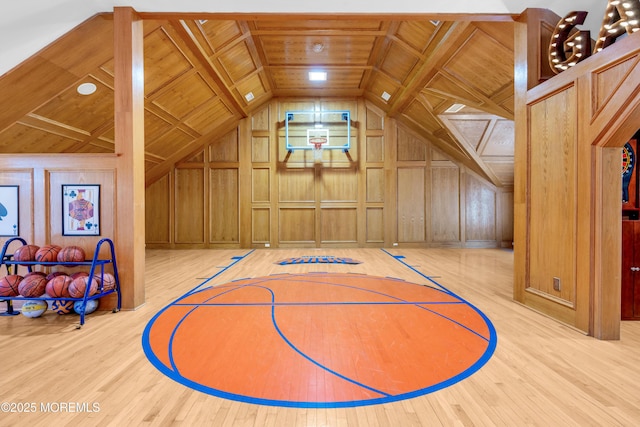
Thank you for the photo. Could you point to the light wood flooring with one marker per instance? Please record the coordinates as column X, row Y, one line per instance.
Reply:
column 542, row 373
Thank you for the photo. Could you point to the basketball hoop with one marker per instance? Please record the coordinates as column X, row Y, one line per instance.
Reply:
column 317, row 143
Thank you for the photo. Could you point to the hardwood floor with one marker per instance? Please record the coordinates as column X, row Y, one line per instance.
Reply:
column 542, row 373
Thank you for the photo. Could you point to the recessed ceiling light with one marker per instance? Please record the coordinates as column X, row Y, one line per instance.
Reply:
column 249, row 96
column 454, row 108
column 385, row 96
column 86, row 88
column 317, row 76
column 318, row 47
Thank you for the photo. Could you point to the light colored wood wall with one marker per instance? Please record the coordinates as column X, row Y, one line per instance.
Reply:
column 245, row 190
column 40, row 179
column 569, row 130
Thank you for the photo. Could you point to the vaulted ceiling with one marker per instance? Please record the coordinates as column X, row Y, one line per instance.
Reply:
column 199, row 72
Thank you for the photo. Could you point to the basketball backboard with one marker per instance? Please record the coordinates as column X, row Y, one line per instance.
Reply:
column 305, row 129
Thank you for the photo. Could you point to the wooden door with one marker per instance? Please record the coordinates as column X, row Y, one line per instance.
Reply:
column 630, row 270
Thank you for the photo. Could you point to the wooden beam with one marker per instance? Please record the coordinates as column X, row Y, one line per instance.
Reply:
column 129, row 147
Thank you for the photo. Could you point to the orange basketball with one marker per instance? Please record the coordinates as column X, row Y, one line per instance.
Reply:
column 35, row 273
column 58, row 286
column 55, row 274
column 9, row 285
column 79, row 285
column 32, row 285
column 47, row 253
column 108, row 282
column 79, row 274
column 71, row 254
column 26, row 253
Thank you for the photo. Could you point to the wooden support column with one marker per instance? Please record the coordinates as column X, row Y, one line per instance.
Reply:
column 129, row 147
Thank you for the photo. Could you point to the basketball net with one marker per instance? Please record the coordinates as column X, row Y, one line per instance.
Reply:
column 317, row 143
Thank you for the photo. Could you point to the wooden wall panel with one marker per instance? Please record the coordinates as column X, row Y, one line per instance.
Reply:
column 296, row 185
column 158, row 218
column 297, row 225
column 260, row 149
column 480, row 215
column 553, row 193
column 260, row 185
column 24, row 180
column 339, row 185
column 375, row 225
column 260, row 225
column 410, row 148
column 260, row 119
column 375, row 185
column 567, row 180
column 445, row 204
column 224, row 209
column 375, row 120
column 375, row 149
column 506, row 207
column 411, row 205
column 225, row 149
column 339, row 225
column 250, row 198
column 189, row 208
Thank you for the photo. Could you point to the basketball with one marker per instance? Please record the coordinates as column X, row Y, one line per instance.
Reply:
column 79, row 285
column 48, row 253
column 92, row 305
column 77, row 274
column 32, row 285
column 26, row 253
column 58, row 287
column 71, row 254
column 34, row 308
column 108, row 281
column 62, row 306
column 9, row 285
column 55, row 274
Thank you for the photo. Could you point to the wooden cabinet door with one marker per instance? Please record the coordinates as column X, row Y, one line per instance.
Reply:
column 630, row 277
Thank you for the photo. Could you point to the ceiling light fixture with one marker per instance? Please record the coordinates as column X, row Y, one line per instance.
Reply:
column 249, row 96
column 385, row 96
column 318, row 47
column 317, row 76
column 86, row 88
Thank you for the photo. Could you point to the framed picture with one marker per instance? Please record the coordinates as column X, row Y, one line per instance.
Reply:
column 80, row 210
column 9, row 210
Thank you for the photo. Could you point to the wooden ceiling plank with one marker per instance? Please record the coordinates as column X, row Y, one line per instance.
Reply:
column 187, row 37
column 448, row 36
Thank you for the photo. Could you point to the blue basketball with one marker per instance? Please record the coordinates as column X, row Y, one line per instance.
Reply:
column 62, row 306
column 91, row 306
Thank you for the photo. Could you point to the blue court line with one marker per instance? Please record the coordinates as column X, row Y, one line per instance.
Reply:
column 492, row 342
column 493, row 336
column 299, row 277
column 285, row 304
column 400, row 258
column 236, row 259
column 145, row 335
column 275, row 324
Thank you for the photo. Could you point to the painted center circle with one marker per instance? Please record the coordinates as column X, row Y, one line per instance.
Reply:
column 319, row 340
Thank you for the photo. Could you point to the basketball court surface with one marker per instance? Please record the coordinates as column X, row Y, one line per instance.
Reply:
column 319, row 331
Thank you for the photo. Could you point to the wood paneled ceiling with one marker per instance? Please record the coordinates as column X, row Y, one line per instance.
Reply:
column 199, row 72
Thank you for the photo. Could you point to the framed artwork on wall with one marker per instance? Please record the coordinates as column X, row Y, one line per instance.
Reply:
column 80, row 210
column 9, row 210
